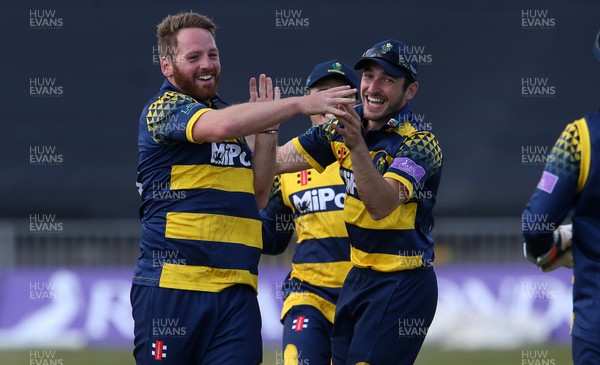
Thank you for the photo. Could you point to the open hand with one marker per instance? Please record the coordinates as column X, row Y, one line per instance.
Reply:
column 265, row 91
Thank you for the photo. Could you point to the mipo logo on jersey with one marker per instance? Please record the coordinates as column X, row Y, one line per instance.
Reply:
column 227, row 154
column 316, row 200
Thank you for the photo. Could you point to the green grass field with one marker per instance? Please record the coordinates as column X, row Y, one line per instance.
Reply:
column 553, row 355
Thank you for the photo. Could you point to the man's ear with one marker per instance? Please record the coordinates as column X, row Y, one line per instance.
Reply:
column 166, row 66
column 411, row 91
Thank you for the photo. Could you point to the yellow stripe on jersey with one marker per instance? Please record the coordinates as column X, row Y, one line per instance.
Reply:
column 312, row 162
column 327, row 274
column 231, row 179
column 403, row 217
column 192, row 121
column 320, row 225
column 214, row 227
column 586, row 152
column 308, row 298
column 384, row 262
column 204, row 278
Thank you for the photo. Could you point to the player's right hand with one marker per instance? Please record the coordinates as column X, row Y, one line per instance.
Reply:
column 563, row 236
column 264, row 91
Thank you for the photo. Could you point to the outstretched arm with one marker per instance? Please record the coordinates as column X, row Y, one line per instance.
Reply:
column 250, row 118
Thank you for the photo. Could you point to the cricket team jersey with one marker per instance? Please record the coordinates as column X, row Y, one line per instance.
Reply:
column 571, row 181
column 400, row 151
column 201, row 228
column 313, row 203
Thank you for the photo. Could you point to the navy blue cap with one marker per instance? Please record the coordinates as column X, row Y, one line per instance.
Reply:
column 597, row 47
column 394, row 56
column 333, row 69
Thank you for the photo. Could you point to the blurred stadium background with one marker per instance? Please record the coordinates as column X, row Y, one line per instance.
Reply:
column 498, row 83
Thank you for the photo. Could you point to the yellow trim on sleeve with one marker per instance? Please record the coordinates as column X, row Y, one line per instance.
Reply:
column 308, row 298
column 214, row 228
column 402, row 180
column 584, row 142
column 311, row 161
column 384, row 262
column 327, row 274
column 203, row 278
column 192, row 121
column 231, row 179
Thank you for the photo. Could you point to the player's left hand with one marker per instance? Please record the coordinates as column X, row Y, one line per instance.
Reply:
column 265, row 90
column 352, row 128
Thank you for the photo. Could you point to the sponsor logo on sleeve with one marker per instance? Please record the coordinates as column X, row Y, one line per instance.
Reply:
column 408, row 166
column 547, row 182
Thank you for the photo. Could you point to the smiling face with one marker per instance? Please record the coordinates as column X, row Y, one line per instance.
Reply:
column 195, row 68
column 383, row 95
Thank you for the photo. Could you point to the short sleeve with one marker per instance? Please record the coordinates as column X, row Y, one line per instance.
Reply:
column 417, row 159
column 172, row 116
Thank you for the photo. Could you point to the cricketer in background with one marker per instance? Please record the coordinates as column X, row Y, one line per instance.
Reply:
column 571, row 182
column 315, row 203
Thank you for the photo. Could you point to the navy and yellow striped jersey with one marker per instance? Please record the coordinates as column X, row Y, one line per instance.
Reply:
column 399, row 151
column 201, row 228
column 570, row 182
column 313, row 204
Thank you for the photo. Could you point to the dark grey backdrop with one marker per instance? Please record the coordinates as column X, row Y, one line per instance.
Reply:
column 102, row 57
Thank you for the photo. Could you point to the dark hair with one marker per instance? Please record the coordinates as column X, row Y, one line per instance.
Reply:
column 169, row 27
column 407, row 82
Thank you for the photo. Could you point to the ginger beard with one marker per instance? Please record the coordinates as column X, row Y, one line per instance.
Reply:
column 201, row 90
